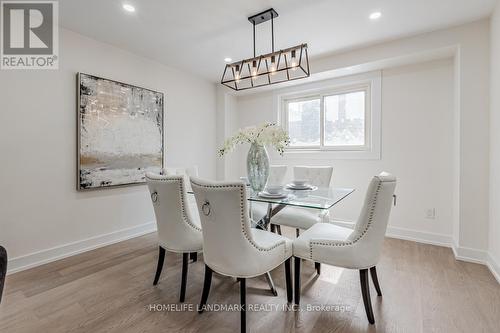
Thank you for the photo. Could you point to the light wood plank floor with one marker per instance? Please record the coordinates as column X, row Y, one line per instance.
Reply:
column 110, row 290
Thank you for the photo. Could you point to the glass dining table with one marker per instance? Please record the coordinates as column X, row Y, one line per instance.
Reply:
column 316, row 198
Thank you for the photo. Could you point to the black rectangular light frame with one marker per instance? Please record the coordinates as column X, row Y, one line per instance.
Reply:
column 232, row 76
column 229, row 75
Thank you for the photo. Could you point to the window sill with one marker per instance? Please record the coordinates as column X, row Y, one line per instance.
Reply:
column 326, row 149
column 322, row 154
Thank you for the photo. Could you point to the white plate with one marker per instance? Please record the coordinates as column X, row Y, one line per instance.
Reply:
column 301, row 188
column 266, row 195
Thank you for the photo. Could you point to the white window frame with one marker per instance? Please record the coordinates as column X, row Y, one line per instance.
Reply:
column 368, row 82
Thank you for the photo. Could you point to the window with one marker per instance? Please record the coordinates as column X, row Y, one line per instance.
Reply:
column 331, row 120
column 304, row 123
column 344, row 123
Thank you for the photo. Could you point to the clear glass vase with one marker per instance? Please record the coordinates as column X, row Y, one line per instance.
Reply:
column 257, row 167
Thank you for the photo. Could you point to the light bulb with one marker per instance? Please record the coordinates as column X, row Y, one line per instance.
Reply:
column 272, row 67
column 237, row 73
column 293, row 60
column 254, row 68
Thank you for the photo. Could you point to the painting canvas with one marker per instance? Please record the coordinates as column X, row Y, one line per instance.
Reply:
column 120, row 133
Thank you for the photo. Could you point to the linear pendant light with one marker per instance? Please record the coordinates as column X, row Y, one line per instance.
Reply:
column 275, row 67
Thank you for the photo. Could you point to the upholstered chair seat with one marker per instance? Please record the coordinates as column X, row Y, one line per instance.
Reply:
column 299, row 218
column 327, row 232
column 357, row 248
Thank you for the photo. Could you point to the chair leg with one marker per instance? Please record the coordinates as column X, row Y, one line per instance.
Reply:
column 373, row 272
column 288, row 279
column 317, row 266
column 161, row 259
column 243, row 314
column 3, row 269
column 278, row 228
column 297, row 232
column 185, row 259
column 206, row 288
column 270, row 282
column 297, row 262
column 365, row 291
column 193, row 256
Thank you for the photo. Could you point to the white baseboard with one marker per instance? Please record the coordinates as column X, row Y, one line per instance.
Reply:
column 66, row 250
column 494, row 266
column 469, row 254
column 419, row 236
column 478, row 257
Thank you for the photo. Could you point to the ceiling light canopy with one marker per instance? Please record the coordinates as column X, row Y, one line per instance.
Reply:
column 275, row 67
column 128, row 7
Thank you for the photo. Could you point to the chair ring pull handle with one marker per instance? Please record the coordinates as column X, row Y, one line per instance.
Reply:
column 154, row 196
column 205, row 208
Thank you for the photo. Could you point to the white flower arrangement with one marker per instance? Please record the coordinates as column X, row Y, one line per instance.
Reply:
column 265, row 134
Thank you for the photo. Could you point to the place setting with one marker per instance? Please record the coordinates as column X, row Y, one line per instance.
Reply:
column 282, row 192
column 301, row 185
column 273, row 192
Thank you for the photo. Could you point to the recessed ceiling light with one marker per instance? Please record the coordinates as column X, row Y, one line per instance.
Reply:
column 128, row 8
column 375, row 15
column 228, row 59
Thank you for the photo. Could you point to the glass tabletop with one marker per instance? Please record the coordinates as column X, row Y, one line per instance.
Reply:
column 321, row 198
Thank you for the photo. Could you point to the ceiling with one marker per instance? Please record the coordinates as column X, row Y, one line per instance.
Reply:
column 196, row 35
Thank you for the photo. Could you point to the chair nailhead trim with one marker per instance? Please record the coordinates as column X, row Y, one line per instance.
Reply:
column 242, row 214
column 352, row 242
column 182, row 195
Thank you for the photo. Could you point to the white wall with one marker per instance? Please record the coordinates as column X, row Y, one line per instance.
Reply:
column 471, row 169
column 468, row 44
column 39, row 206
column 417, row 114
column 494, row 231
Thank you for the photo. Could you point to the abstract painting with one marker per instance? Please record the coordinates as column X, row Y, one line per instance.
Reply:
column 120, row 133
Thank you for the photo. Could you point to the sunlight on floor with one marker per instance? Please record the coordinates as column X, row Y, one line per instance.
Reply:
column 331, row 274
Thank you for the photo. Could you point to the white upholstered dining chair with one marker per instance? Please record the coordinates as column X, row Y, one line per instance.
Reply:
column 178, row 222
column 355, row 249
column 303, row 218
column 230, row 246
column 185, row 172
column 181, row 171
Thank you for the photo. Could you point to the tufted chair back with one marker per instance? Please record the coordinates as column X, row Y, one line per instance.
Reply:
column 186, row 173
column 190, row 171
column 179, row 229
column 320, row 176
column 371, row 226
column 228, row 241
column 276, row 175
